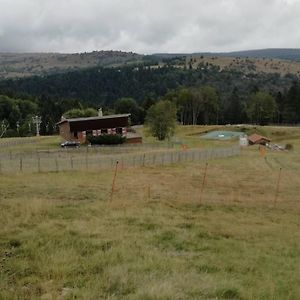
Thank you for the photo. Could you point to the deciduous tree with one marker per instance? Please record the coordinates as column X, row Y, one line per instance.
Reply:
column 161, row 119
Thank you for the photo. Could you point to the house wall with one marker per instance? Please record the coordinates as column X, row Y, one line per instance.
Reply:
column 64, row 131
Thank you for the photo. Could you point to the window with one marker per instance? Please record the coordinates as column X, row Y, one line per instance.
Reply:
column 119, row 130
column 75, row 134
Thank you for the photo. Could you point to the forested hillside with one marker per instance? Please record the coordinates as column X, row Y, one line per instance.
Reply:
column 205, row 95
column 102, row 86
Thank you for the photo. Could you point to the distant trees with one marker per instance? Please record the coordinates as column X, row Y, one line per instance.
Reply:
column 291, row 107
column 234, row 113
column 80, row 113
column 15, row 116
column 201, row 96
column 129, row 105
column 198, row 105
column 262, row 108
column 161, row 119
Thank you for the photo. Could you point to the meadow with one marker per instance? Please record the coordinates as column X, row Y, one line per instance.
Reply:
column 226, row 230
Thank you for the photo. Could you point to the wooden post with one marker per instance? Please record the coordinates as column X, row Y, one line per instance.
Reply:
column 86, row 161
column 21, row 164
column 203, row 182
column 144, row 158
column 0, row 167
column 149, row 194
column 277, row 188
column 154, row 159
column 56, row 165
column 71, row 161
column 39, row 164
column 114, row 182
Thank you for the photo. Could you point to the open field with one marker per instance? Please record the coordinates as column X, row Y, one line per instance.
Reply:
column 167, row 232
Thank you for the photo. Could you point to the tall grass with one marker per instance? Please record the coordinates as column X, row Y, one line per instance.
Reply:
column 62, row 238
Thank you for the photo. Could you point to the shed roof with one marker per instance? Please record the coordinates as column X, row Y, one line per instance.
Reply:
column 254, row 138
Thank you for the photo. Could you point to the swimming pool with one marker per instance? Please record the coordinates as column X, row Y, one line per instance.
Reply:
column 222, row 135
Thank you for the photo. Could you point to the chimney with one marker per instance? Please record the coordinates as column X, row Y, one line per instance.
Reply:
column 100, row 113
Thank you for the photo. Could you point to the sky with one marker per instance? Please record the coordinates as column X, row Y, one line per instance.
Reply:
column 148, row 26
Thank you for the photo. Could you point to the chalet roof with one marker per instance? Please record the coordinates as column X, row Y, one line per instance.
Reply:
column 254, row 138
column 74, row 120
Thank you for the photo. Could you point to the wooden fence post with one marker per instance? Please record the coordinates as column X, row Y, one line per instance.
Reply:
column 149, row 192
column 277, row 188
column 114, row 182
column 203, row 182
column 144, row 158
column 21, row 164
column 39, row 164
column 56, row 165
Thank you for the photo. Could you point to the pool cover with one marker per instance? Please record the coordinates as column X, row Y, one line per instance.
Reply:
column 222, row 135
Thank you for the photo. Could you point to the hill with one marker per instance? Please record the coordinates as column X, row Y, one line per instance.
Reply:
column 105, row 85
column 272, row 53
column 29, row 64
column 275, row 53
column 18, row 65
column 245, row 65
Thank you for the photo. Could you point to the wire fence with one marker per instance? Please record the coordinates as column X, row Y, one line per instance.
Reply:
column 68, row 161
column 66, row 152
column 212, row 183
column 16, row 142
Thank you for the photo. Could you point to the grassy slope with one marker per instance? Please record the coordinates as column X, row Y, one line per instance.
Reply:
column 250, row 65
column 30, row 64
column 61, row 236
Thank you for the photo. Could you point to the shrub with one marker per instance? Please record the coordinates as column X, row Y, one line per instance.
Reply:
column 289, row 147
column 106, row 139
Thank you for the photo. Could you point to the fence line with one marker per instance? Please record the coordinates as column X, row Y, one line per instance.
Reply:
column 117, row 149
column 16, row 142
column 57, row 163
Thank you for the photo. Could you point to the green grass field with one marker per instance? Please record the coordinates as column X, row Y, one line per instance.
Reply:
column 163, row 235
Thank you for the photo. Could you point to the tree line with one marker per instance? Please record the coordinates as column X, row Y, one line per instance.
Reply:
column 206, row 96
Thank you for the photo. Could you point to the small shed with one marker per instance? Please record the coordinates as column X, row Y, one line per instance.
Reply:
column 256, row 139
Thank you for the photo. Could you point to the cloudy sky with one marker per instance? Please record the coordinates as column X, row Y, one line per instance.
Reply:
column 148, row 26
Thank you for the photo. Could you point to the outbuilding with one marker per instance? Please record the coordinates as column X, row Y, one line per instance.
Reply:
column 256, row 139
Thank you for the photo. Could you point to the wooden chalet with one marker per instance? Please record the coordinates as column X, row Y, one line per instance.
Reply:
column 78, row 129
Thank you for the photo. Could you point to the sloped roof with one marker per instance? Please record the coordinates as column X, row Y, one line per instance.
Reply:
column 93, row 118
column 254, row 138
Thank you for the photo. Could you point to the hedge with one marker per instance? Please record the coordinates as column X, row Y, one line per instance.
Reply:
column 106, row 139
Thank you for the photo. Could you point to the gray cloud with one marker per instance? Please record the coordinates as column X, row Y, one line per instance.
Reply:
column 147, row 26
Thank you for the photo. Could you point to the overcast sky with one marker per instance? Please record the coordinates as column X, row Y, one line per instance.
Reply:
column 148, row 26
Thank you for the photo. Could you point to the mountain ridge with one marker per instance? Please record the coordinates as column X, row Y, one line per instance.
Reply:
column 16, row 65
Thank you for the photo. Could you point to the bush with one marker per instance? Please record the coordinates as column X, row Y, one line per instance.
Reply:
column 106, row 139
column 289, row 147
